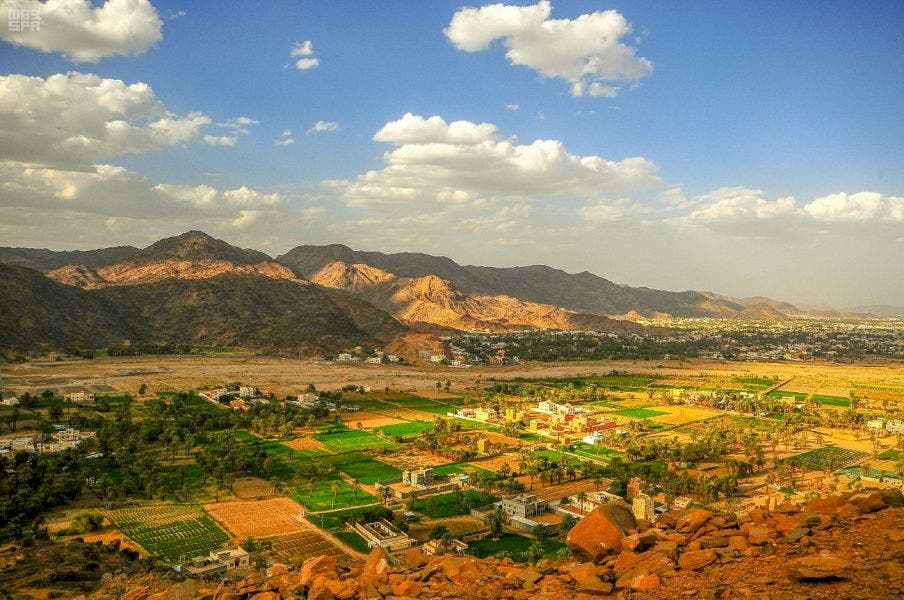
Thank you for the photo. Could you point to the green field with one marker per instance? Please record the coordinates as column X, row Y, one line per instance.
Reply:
column 891, row 454
column 362, row 467
column 173, row 532
column 353, row 540
column 584, row 449
column 410, row 428
column 639, row 413
column 447, row 505
column 330, row 493
column 456, row 468
column 828, row 456
column 515, row 546
column 831, row 400
column 779, row 394
column 349, row 440
column 334, row 521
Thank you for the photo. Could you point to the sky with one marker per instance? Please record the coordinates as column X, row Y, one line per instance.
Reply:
column 744, row 148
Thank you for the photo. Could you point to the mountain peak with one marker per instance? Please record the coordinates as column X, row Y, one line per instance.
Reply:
column 197, row 245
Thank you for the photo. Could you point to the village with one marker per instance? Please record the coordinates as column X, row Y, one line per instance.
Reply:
column 504, row 469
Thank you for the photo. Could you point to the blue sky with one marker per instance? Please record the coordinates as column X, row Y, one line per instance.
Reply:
column 746, row 105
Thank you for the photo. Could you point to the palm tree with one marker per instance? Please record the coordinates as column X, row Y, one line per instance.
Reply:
column 582, row 496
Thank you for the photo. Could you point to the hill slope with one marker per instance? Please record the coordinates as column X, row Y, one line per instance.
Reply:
column 433, row 300
column 47, row 260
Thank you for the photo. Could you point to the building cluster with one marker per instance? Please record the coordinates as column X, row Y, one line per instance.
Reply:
column 376, row 357
column 888, row 426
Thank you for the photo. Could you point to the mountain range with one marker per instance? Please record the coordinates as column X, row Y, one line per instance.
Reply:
column 196, row 289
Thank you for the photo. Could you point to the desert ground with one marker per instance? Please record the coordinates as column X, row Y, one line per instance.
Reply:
column 291, row 376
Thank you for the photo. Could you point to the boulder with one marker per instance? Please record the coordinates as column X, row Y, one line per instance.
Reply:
column 639, row 541
column 324, row 566
column 869, row 501
column 587, row 579
column 696, row 559
column 601, row 531
column 819, row 567
column 693, row 520
column 758, row 536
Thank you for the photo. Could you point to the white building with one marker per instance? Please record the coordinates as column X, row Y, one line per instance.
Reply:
column 246, row 391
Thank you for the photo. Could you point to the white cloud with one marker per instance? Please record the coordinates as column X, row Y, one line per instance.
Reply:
column 513, row 106
column 220, row 140
column 860, row 207
column 324, row 126
column 83, row 32
column 304, row 52
column 239, row 125
column 77, row 119
column 745, row 210
column 607, row 212
column 465, row 162
column 586, row 51
column 285, row 139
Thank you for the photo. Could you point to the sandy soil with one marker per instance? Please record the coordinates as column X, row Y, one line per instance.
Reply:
column 258, row 518
column 369, row 420
column 247, row 488
column 304, row 443
column 285, row 376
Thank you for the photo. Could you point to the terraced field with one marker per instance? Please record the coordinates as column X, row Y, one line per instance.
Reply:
column 174, row 532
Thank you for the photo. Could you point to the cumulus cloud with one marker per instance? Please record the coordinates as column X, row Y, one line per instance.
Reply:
column 304, row 52
column 436, row 161
column 740, row 209
column 324, row 127
column 607, row 212
column 77, row 119
column 588, row 51
column 112, row 191
column 81, row 31
column 220, row 140
column 239, row 125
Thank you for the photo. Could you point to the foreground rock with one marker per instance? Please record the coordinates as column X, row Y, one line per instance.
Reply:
column 819, row 567
column 601, row 531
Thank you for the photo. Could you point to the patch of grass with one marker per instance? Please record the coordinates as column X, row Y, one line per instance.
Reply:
column 330, row 493
column 591, row 451
column 462, row 467
column 799, row 396
column 363, row 467
column 350, row 440
column 515, row 546
column 449, row 505
column 891, row 454
column 336, row 520
column 639, row 413
column 410, row 428
column 353, row 540
column 831, row 400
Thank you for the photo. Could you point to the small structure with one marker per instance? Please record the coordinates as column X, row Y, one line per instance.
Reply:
column 382, row 534
column 418, row 477
column 216, row 563
column 643, row 508
column 524, row 506
column 453, row 546
column 80, row 397
column 246, row 391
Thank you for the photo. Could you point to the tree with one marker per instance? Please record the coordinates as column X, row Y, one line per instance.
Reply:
column 568, row 522
column 438, row 532
column 496, row 522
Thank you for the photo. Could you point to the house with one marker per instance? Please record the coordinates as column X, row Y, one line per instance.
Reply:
column 416, row 477
column 454, row 546
column 524, row 506
column 80, row 397
column 344, row 357
column 216, row 563
column 382, row 534
column 246, row 391
column 374, row 360
column 12, row 401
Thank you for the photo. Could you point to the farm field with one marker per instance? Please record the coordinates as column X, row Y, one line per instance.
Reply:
column 639, row 413
column 362, row 467
column 827, row 457
column 247, row 488
column 295, row 548
column 329, row 494
column 370, row 420
column 350, row 440
column 174, row 532
column 257, row 518
column 680, row 414
column 405, row 428
column 448, row 505
column 458, row 526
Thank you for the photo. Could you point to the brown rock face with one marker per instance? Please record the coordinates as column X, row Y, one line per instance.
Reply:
column 601, row 531
column 869, row 501
column 696, row 559
column 819, row 567
column 323, row 566
column 693, row 520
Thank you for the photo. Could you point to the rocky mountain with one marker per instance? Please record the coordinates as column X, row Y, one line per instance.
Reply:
column 581, row 292
column 760, row 312
column 433, row 300
column 191, row 289
column 192, row 255
column 47, row 260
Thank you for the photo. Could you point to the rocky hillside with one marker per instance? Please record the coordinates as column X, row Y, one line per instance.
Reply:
column 581, row 292
column 47, row 260
column 844, row 547
column 435, row 301
column 245, row 310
